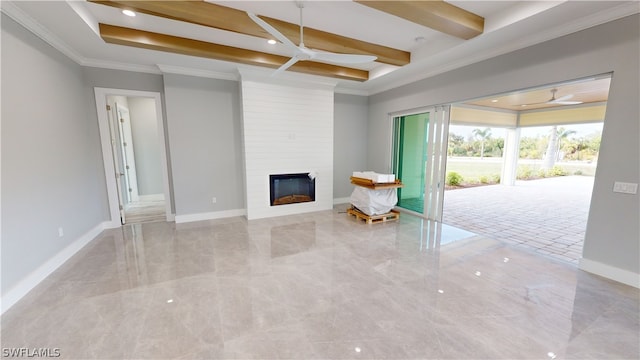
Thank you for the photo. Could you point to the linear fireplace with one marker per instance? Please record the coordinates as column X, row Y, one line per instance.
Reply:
column 292, row 188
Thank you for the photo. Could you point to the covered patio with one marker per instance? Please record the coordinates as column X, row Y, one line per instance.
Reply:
column 548, row 216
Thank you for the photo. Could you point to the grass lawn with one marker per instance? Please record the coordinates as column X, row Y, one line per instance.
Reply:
column 474, row 168
column 471, row 169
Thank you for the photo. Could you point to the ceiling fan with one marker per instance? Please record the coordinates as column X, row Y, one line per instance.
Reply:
column 559, row 101
column 301, row 52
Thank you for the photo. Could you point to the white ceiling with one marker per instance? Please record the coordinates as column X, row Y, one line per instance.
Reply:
column 71, row 26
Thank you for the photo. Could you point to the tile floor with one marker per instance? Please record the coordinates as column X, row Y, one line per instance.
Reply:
column 145, row 211
column 546, row 215
column 321, row 286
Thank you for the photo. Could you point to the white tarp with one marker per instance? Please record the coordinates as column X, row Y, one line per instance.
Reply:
column 374, row 202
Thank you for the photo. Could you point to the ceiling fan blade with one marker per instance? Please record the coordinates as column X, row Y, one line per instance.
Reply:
column 285, row 66
column 566, row 102
column 343, row 58
column 563, row 98
column 271, row 30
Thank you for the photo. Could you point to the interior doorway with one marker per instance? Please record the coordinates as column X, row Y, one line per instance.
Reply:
column 134, row 154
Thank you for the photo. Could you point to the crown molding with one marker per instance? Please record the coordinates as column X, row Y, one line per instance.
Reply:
column 179, row 70
column 15, row 13
column 114, row 65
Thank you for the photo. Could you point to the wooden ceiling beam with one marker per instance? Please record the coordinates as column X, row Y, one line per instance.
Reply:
column 229, row 19
column 179, row 45
column 434, row 14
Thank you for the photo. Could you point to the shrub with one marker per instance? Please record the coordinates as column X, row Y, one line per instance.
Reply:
column 454, row 179
column 495, row 178
column 484, row 179
column 577, row 172
column 543, row 173
column 557, row 171
column 524, row 172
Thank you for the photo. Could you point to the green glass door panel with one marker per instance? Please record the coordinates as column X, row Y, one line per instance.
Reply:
column 410, row 155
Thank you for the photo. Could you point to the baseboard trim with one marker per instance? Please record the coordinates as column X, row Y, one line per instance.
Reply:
column 344, row 200
column 610, row 272
column 210, row 215
column 35, row 277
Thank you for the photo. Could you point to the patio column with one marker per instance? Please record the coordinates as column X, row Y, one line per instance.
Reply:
column 510, row 158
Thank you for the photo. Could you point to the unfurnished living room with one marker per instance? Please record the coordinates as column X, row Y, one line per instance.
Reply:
column 184, row 179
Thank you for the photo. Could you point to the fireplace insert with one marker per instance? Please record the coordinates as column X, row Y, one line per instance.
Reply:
column 292, row 188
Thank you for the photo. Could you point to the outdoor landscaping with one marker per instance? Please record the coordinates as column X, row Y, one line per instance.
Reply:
column 476, row 160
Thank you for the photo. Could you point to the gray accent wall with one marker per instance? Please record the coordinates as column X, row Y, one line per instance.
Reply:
column 203, row 118
column 350, row 126
column 52, row 173
column 612, row 237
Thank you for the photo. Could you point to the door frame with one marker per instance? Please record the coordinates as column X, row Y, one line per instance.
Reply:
column 107, row 152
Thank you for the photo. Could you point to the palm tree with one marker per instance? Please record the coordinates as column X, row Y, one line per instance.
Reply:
column 553, row 148
column 562, row 134
column 483, row 135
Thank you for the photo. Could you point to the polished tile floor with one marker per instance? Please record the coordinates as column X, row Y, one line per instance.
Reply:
column 548, row 215
column 145, row 211
column 321, row 286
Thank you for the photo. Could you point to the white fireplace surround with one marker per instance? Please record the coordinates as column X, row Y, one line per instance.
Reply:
column 287, row 129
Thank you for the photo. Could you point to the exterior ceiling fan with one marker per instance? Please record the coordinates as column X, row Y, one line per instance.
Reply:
column 559, row 101
column 301, row 52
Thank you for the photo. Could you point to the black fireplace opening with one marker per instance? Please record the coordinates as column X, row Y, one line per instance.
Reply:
column 292, row 188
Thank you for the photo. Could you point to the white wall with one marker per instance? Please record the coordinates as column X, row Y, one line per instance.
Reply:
column 146, row 145
column 203, row 120
column 51, row 160
column 287, row 129
column 350, row 141
column 612, row 244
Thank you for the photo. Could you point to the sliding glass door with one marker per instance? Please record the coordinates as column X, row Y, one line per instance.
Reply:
column 411, row 156
column 419, row 159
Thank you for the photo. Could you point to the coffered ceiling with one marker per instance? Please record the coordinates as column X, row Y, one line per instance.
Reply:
column 411, row 39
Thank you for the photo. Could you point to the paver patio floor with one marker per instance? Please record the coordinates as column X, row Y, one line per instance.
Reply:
column 548, row 215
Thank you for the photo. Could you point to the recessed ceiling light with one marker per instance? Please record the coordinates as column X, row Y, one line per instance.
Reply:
column 271, row 41
column 494, row 100
column 129, row 13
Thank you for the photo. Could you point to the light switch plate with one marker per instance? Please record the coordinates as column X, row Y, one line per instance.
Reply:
column 625, row 188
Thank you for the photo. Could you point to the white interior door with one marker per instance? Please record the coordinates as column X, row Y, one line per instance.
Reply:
column 114, row 134
column 128, row 159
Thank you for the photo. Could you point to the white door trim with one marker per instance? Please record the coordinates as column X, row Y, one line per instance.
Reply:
column 107, row 153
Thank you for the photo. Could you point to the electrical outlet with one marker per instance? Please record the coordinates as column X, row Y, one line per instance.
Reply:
column 625, row 188
column 214, row 200
column 60, row 232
